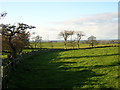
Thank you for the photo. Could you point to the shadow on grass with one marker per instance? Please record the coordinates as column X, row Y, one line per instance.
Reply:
column 88, row 56
column 88, row 67
column 40, row 72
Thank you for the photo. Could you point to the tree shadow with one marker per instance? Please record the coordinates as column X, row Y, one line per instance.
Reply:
column 42, row 72
column 90, row 67
column 88, row 56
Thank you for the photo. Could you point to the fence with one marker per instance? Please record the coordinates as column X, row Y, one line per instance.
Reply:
column 6, row 67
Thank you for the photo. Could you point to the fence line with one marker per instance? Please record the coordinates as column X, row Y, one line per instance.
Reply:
column 6, row 64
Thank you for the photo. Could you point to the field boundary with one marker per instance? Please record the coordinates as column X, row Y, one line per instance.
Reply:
column 77, row 48
column 6, row 67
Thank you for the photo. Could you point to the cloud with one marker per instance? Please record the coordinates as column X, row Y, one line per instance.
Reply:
column 103, row 26
column 94, row 19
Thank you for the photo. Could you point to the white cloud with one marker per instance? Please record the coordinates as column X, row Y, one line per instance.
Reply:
column 103, row 26
column 94, row 19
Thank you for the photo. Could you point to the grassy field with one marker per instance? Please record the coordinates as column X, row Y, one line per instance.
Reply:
column 86, row 68
column 56, row 45
column 60, row 45
column 4, row 55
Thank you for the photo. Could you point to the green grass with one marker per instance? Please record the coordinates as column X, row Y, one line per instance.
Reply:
column 60, row 45
column 29, row 50
column 56, row 45
column 87, row 68
column 4, row 55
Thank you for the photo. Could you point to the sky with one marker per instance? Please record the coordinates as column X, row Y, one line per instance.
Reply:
column 99, row 19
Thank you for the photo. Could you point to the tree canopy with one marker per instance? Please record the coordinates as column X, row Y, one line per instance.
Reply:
column 15, row 38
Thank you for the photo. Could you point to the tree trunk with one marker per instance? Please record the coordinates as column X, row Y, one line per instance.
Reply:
column 65, row 45
column 78, row 44
column 92, row 44
column 35, row 45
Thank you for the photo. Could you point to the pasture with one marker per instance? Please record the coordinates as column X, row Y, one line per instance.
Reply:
column 84, row 68
column 60, row 45
column 55, row 45
column 5, row 55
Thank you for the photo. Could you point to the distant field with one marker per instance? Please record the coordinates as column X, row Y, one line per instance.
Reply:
column 61, row 45
column 86, row 68
column 57, row 45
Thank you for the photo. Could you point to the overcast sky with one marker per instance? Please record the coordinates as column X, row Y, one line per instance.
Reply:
column 93, row 18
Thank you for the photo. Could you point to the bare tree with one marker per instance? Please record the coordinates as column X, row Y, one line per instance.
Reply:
column 79, row 36
column 65, row 34
column 72, row 42
column 71, row 33
column 92, row 41
column 37, row 39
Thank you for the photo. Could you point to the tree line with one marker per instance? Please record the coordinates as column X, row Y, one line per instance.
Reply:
column 79, row 34
column 67, row 34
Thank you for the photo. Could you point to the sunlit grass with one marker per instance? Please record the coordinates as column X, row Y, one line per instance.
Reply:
column 29, row 50
column 57, row 45
column 4, row 56
column 60, row 45
column 88, row 68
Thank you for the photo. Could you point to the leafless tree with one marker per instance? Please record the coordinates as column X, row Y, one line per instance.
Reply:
column 37, row 40
column 65, row 34
column 71, row 42
column 79, row 36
